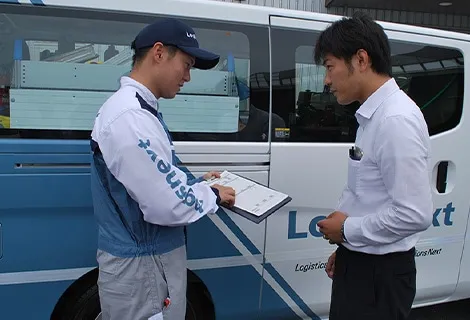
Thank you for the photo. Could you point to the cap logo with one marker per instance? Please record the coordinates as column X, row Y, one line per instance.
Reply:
column 190, row 35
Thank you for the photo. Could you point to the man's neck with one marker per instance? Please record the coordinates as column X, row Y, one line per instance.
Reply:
column 142, row 79
column 373, row 84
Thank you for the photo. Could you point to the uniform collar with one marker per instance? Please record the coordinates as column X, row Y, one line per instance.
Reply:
column 148, row 96
column 368, row 108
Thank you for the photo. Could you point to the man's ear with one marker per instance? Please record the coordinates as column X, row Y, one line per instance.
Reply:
column 363, row 59
column 158, row 52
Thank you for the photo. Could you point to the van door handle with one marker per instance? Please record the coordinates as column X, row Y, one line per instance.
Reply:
column 441, row 180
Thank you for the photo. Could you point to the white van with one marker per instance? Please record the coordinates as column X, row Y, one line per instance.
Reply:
column 59, row 60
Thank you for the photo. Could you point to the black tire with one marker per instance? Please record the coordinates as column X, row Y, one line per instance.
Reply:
column 81, row 300
column 87, row 306
column 198, row 302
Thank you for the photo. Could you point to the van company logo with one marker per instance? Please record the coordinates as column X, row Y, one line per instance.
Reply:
column 312, row 266
column 428, row 252
column 190, row 35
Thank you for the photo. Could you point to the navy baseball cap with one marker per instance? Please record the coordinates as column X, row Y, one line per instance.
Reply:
column 176, row 33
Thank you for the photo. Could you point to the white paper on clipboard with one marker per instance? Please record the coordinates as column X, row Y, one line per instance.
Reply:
column 251, row 198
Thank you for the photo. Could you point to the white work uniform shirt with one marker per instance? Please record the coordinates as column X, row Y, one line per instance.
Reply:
column 138, row 152
column 388, row 197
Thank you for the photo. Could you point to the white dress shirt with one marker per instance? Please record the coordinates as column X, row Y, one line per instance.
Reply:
column 388, row 197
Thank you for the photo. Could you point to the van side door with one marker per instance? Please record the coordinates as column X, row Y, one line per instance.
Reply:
column 311, row 166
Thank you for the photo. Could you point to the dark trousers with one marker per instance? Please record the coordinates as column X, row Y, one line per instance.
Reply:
column 373, row 287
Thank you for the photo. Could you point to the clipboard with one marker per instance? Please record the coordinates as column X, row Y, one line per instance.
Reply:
column 252, row 200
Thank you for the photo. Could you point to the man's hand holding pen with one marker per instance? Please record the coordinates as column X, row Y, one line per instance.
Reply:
column 226, row 194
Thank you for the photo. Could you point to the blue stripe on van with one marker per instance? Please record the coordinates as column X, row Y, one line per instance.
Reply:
column 242, row 300
column 205, row 241
column 48, row 239
column 30, row 300
column 198, row 247
column 238, row 232
column 37, row 2
column 269, row 268
column 291, row 292
column 234, row 290
column 273, row 306
column 226, row 219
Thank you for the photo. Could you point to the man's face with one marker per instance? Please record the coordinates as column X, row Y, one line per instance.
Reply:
column 342, row 78
column 176, row 71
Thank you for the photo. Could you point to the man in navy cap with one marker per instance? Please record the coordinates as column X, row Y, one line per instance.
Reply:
column 142, row 200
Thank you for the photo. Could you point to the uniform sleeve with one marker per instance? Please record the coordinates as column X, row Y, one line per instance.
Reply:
column 402, row 157
column 191, row 179
column 137, row 152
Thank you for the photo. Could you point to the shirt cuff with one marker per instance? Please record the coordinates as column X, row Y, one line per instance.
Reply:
column 216, row 192
column 353, row 230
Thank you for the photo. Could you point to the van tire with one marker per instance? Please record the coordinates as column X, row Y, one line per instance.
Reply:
column 87, row 306
column 199, row 304
column 81, row 300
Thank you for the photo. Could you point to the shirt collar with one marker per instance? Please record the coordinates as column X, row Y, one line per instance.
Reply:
column 148, row 96
column 368, row 108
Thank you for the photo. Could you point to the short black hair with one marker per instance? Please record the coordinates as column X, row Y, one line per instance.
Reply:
column 139, row 54
column 345, row 37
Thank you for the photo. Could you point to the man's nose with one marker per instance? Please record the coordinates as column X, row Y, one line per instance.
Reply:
column 187, row 76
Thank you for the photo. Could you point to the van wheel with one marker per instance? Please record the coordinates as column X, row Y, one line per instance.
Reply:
column 81, row 300
column 198, row 301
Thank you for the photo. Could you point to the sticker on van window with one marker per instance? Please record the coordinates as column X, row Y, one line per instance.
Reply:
column 282, row 133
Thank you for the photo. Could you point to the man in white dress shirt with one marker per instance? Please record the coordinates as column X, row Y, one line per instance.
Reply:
column 387, row 201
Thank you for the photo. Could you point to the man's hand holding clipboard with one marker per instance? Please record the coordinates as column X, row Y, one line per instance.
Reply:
column 254, row 201
column 226, row 194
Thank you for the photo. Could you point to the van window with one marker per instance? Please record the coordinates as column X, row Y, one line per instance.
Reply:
column 432, row 76
column 58, row 67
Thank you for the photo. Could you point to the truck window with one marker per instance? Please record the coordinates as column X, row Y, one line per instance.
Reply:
column 432, row 76
column 57, row 70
